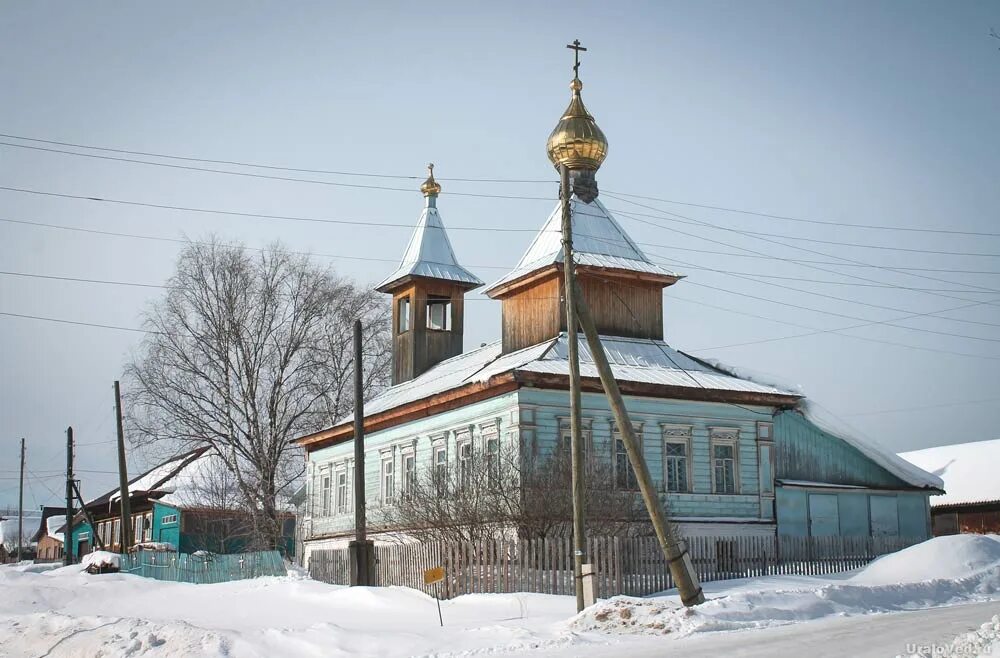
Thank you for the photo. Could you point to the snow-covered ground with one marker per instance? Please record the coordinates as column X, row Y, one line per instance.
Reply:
column 915, row 602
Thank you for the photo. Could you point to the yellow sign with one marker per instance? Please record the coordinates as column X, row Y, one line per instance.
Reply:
column 435, row 575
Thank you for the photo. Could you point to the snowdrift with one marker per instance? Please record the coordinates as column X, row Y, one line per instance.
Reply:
column 940, row 571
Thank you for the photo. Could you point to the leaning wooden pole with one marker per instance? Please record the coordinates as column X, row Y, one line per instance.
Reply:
column 678, row 558
column 126, row 504
column 575, row 422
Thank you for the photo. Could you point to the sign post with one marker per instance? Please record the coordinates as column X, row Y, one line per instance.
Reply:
column 434, row 577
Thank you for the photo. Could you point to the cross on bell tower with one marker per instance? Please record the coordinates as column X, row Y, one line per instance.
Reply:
column 576, row 48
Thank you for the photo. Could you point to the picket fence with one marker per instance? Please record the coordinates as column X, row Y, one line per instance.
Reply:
column 624, row 565
column 202, row 568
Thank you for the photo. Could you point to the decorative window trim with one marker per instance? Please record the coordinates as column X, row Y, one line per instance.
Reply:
column 724, row 436
column 678, row 434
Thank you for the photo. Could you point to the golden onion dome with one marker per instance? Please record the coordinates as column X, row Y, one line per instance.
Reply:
column 576, row 141
column 430, row 187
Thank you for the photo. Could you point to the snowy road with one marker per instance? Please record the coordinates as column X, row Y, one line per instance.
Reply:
column 869, row 636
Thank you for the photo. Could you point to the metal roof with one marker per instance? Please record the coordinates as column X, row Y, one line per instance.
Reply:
column 429, row 253
column 632, row 360
column 967, row 469
column 598, row 241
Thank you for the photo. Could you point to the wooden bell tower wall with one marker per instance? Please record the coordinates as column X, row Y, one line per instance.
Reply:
column 622, row 305
column 419, row 347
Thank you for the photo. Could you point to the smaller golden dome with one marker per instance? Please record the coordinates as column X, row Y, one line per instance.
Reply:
column 576, row 141
column 430, row 187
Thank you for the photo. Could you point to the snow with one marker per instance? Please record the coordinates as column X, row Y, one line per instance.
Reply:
column 120, row 614
column 101, row 559
column 968, row 470
column 52, row 525
column 887, row 459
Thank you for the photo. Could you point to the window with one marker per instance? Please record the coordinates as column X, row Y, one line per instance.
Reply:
column 403, row 315
column 566, row 440
column 116, row 531
column 675, row 460
column 341, row 495
column 440, row 467
column 439, row 313
column 493, row 459
column 624, row 473
column 409, row 473
column 388, row 480
column 147, row 526
column 465, row 464
column 168, row 519
column 325, row 495
column 724, row 467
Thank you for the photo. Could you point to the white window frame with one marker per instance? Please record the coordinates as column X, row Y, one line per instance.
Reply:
column 341, row 497
column 678, row 435
column 409, row 477
column 325, row 484
column 403, row 320
column 724, row 436
column 615, row 438
column 387, row 480
column 465, row 463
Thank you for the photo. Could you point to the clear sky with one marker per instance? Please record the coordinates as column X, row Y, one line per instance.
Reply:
column 872, row 113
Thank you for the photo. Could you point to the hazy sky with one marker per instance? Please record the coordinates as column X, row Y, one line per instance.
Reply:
column 872, row 113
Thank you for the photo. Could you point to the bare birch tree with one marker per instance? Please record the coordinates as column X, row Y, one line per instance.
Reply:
column 244, row 353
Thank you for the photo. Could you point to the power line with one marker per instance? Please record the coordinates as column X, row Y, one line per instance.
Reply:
column 470, row 180
column 815, row 331
column 270, row 166
column 248, row 174
column 808, row 221
column 752, row 254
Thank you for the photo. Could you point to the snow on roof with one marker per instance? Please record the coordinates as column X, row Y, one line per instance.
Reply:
column 598, row 241
column 190, row 480
column 632, row 360
column 869, row 447
column 968, row 470
column 429, row 254
column 53, row 524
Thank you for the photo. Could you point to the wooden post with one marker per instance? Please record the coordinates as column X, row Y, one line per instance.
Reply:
column 361, row 550
column 126, row 503
column 576, row 443
column 68, row 533
column 20, row 506
column 90, row 519
column 677, row 556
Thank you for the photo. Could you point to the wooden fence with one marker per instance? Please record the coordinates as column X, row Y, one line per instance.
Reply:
column 631, row 565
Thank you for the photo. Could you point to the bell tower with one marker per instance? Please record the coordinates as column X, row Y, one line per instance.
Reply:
column 428, row 295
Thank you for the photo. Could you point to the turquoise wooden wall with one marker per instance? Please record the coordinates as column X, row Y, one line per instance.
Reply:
column 167, row 532
column 857, row 516
column 418, row 434
column 805, row 452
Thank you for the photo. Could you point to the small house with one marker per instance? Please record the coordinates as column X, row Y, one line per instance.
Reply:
column 48, row 538
column 969, row 471
column 187, row 502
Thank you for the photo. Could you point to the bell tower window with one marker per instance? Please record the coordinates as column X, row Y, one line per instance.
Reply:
column 403, row 315
column 439, row 313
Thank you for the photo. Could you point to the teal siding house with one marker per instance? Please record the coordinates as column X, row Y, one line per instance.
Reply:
column 730, row 455
column 178, row 505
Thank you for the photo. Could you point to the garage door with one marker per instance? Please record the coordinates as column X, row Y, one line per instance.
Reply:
column 824, row 515
column 884, row 515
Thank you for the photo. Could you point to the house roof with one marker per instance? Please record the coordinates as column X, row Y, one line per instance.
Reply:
column 598, row 241
column 967, row 469
column 636, row 360
column 52, row 519
column 429, row 254
column 159, row 480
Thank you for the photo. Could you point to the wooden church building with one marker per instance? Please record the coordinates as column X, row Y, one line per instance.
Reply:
column 730, row 456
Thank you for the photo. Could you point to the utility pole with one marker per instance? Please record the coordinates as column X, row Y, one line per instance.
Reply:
column 575, row 422
column 20, row 506
column 361, row 550
column 68, row 533
column 126, row 511
column 674, row 550
column 90, row 519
